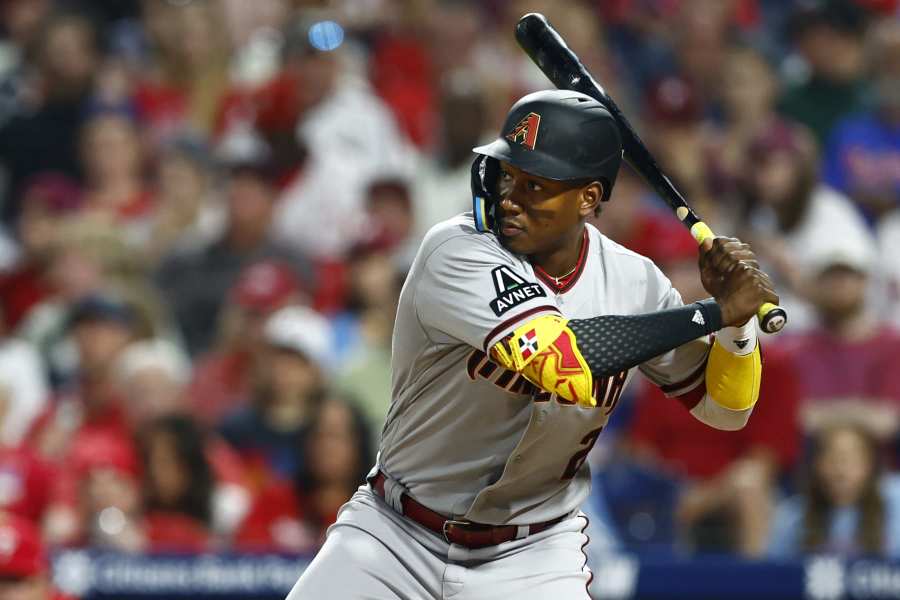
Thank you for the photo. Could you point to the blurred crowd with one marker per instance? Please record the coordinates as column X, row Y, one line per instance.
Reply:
column 208, row 207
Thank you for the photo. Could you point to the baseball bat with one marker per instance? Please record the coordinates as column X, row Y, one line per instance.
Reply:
column 551, row 54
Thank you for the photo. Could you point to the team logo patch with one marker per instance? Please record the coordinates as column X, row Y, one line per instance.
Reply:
column 511, row 290
column 525, row 132
column 528, row 343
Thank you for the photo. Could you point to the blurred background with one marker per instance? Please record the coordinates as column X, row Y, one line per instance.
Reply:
column 208, row 207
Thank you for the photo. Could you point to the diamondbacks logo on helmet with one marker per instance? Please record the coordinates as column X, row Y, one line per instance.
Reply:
column 525, row 132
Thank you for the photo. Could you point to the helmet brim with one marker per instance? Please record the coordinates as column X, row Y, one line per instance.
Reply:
column 530, row 161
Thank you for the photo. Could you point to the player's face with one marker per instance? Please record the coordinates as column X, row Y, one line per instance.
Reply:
column 538, row 215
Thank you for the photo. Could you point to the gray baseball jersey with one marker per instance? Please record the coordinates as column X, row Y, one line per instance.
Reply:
column 472, row 440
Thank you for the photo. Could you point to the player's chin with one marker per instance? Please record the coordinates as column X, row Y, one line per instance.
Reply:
column 517, row 241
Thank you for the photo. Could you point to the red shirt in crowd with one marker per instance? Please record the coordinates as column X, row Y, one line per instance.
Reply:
column 20, row 291
column 698, row 451
column 25, row 483
column 66, row 427
column 174, row 532
column 831, row 368
column 282, row 520
column 220, row 385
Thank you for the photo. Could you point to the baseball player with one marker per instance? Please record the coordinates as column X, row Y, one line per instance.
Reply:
column 517, row 329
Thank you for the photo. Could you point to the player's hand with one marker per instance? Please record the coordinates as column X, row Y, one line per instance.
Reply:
column 730, row 273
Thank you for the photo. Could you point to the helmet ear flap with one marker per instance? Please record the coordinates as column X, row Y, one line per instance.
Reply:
column 485, row 173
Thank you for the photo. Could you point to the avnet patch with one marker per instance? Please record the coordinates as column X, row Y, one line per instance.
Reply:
column 515, row 297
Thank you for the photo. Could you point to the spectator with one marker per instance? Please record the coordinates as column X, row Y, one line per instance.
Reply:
column 791, row 215
column 749, row 89
column 104, row 510
column 101, row 326
column 293, row 516
column 848, row 506
column 289, row 377
column 178, row 486
column 87, row 423
column 402, row 72
column 340, row 112
column 680, row 137
column 21, row 19
column 363, row 335
column 441, row 186
column 828, row 34
column 189, row 211
column 863, row 153
column 700, row 40
column 112, row 160
column 152, row 376
column 197, row 282
column 373, row 283
column 24, row 566
column 351, row 137
column 390, row 217
column 44, row 137
column 188, row 76
column 47, row 199
column 88, row 257
column 849, row 361
column 221, row 380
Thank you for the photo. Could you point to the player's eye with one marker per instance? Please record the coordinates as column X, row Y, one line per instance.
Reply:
column 534, row 186
column 504, row 175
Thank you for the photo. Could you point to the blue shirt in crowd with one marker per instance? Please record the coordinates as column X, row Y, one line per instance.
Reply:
column 786, row 533
column 863, row 154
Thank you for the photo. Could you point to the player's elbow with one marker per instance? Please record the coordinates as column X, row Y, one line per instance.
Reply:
column 713, row 414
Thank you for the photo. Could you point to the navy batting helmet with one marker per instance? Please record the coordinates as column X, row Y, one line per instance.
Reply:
column 555, row 134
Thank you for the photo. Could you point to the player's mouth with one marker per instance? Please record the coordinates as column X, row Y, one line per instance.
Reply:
column 510, row 228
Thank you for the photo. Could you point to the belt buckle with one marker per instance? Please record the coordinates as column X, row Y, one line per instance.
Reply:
column 449, row 523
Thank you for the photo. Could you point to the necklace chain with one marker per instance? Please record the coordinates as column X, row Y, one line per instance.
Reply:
column 557, row 279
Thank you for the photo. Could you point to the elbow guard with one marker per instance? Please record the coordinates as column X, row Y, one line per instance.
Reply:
column 733, row 380
column 544, row 351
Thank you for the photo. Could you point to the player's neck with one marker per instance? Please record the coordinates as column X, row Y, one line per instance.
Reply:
column 561, row 261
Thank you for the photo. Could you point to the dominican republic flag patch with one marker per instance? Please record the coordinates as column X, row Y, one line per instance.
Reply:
column 528, row 344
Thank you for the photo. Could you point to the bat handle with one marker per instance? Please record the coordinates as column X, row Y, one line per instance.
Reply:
column 772, row 318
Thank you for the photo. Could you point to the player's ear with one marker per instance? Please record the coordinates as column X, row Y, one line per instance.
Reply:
column 589, row 199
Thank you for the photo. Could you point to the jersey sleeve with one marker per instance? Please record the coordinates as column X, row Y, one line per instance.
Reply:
column 472, row 291
column 680, row 370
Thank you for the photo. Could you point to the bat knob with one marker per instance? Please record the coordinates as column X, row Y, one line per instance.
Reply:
column 772, row 319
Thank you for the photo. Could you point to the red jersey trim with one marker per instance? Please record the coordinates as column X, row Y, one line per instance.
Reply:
column 692, row 398
column 515, row 319
column 587, row 584
column 569, row 281
column 686, row 384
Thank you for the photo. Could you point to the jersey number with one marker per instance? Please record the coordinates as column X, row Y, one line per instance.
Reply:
column 579, row 457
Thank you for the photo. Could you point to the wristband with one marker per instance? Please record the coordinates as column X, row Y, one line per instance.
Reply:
column 711, row 314
column 738, row 340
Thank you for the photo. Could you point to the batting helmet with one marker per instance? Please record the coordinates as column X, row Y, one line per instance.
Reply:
column 555, row 134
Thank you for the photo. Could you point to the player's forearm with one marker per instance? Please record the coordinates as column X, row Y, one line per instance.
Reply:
column 563, row 356
column 611, row 344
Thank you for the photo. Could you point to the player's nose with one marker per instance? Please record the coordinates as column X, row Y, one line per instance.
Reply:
column 507, row 202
